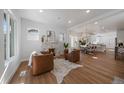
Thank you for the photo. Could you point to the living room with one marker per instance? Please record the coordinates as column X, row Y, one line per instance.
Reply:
column 84, row 45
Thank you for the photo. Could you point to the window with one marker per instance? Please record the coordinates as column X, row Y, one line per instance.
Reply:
column 74, row 41
column 9, row 36
column 11, row 25
column 5, row 35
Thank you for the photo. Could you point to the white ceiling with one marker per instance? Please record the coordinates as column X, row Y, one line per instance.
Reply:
column 107, row 23
column 60, row 17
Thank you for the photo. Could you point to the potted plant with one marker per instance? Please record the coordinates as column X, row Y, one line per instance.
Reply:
column 66, row 45
column 66, row 50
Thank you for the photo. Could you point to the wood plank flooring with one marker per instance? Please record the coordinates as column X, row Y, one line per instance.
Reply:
column 99, row 70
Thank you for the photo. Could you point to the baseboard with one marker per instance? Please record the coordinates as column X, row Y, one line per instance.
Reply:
column 12, row 74
column 23, row 60
column 2, row 76
column 8, row 80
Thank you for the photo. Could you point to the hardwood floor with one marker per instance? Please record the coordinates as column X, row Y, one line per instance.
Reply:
column 97, row 70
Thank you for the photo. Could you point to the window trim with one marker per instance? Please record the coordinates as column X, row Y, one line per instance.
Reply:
column 9, row 59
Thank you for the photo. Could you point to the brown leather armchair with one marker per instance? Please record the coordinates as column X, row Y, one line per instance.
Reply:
column 74, row 56
column 42, row 63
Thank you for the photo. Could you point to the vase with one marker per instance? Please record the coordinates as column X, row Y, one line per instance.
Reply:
column 66, row 54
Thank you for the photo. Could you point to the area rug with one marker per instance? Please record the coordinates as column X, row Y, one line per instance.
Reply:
column 62, row 68
column 118, row 80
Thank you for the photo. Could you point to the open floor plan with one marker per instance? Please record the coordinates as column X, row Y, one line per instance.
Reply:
column 61, row 46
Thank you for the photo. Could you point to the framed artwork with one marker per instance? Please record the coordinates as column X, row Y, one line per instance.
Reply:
column 49, row 33
column 51, row 36
column 32, row 34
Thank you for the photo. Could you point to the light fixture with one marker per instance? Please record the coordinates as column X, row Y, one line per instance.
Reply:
column 69, row 21
column 96, row 23
column 41, row 11
column 87, row 11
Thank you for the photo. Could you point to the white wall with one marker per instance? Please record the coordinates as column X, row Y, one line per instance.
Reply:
column 1, row 44
column 120, row 36
column 29, row 45
column 13, row 65
column 24, row 46
column 107, row 38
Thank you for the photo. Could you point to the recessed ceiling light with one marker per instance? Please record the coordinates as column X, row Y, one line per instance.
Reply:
column 69, row 21
column 96, row 23
column 87, row 11
column 41, row 11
